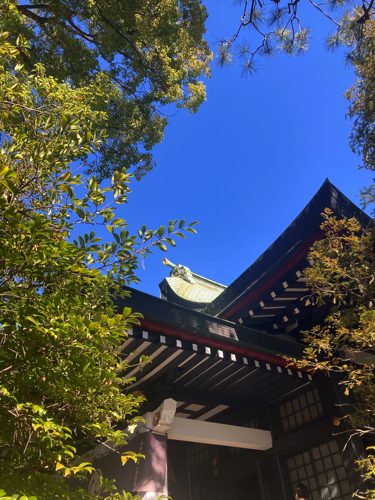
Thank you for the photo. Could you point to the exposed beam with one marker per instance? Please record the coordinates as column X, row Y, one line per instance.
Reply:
column 198, row 431
column 163, row 420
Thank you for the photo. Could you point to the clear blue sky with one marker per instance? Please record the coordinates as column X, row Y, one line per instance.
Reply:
column 252, row 157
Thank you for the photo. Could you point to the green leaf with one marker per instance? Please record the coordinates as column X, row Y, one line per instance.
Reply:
column 5, row 117
column 3, row 169
column 80, row 212
column 181, row 224
column 170, row 241
column 9, row 184
column 126, row 311
column 117, row 221
column 161, row 246
column 161, row 231
column 110, row 228
column 137, row 315
column 193, row 223
column 64, row 122
column 65, row 176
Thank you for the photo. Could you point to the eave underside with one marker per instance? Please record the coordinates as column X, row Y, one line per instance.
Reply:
column 214, row 380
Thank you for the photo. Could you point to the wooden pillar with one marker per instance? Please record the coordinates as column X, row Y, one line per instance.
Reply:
column 151, row 495
column 271, row 424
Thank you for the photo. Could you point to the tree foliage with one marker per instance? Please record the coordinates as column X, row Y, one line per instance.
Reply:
column 61, row 370
column 343, row 274
column 269, row 28
column 361, row 97
column 143, row 55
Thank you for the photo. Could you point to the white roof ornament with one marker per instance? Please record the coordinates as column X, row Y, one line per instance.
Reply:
column 180, row 271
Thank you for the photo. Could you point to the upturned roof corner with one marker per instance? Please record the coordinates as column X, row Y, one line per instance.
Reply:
column 187, row 288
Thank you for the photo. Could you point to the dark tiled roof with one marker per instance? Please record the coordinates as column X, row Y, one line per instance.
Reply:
column 295, row 240
column 166, row 313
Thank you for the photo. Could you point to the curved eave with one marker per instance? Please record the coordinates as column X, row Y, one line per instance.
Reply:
column 183, row 323
column 287, row 251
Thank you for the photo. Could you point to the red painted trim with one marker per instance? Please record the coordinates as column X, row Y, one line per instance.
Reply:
column 289, row 264
column 210, row 342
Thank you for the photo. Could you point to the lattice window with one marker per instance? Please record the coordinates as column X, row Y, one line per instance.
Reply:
column 300, row 410
column 322, row 469
column 196, row 453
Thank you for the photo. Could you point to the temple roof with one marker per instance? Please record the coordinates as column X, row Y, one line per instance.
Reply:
column 271, row 293
column 167, row 318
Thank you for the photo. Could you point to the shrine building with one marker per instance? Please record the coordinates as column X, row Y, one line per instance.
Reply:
column 226, row 418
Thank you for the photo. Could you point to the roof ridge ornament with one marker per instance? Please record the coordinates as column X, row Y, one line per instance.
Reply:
column 180, row 271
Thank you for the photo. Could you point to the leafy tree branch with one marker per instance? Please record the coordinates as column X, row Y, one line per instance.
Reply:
column 143, row 55
column 62, row 384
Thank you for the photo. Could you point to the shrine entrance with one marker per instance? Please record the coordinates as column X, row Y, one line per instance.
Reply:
column 205, row 472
